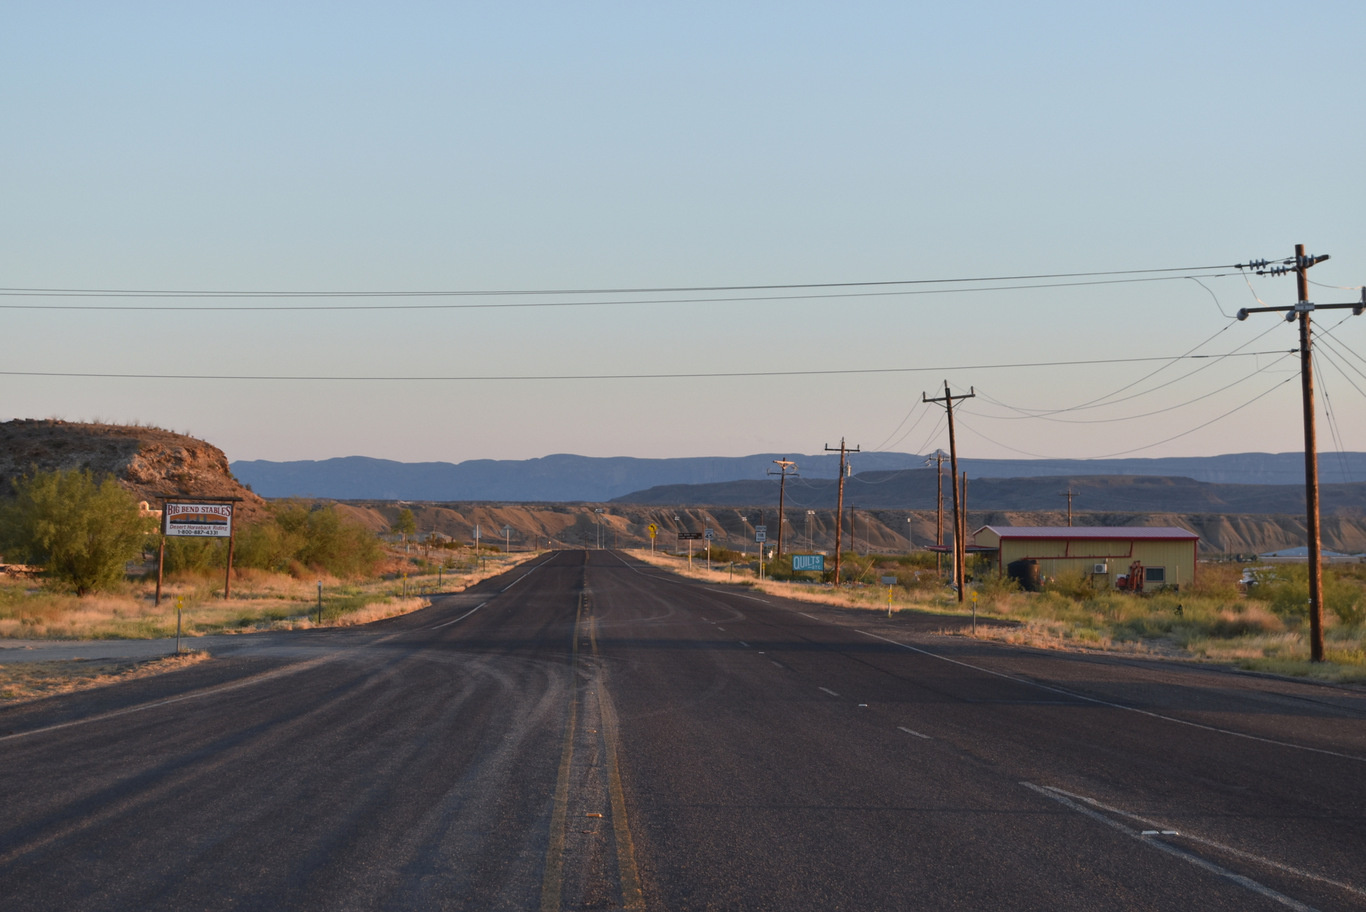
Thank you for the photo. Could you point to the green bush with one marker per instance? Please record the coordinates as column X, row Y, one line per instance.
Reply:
column 81, row 531
column 1286, row 590
column 299, row 539
column 1073, row 585
column 194, row 555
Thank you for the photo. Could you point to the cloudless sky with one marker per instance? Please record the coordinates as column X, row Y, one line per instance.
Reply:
column 458, row 147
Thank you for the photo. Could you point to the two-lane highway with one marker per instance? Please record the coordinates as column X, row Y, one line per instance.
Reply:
column 590, row 732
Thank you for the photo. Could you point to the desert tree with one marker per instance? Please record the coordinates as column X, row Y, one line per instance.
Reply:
column 81, row 530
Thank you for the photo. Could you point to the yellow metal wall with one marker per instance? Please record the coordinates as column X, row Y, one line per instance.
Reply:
column 1066, row 556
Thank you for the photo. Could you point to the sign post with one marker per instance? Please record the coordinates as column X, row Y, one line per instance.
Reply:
column 654, row 530
column 709, row 535
column 209, row 517
column 689, row 537
column 761, row 536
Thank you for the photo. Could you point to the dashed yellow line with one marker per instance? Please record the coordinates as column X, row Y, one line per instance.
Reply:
column 553, row 879
column 632, row 897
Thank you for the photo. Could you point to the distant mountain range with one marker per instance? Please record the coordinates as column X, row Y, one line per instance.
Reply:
column 890, row 476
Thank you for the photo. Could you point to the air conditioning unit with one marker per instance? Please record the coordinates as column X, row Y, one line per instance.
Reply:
column 1100, row 568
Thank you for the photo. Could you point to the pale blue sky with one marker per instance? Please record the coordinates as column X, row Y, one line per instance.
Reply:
column 456, row 147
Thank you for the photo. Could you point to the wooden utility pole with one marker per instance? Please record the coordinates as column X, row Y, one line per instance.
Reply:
column 963, row 529
column 1302, row 309
column 839, row 505
column 1311, row 460
column 1068, row 495
column 785, row 467
column 939, row 511
column 958, row 519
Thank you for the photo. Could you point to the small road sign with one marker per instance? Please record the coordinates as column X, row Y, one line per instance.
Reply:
column 689, row 536
column 654, row 530
column 709, row 535
column 761, row 534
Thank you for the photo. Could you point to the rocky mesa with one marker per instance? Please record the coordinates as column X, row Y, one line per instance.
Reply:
column 150, row 462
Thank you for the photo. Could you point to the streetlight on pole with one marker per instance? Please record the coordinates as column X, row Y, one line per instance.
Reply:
column 598, row 511
column 810, row 543
column 910, row 546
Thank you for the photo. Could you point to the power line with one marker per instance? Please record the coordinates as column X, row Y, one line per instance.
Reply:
column 1147, row 446
column 1109, row 398
column 1160, row 411
column 505, row 305
column 201, row 293
column 1331, row 414
column 97, row 375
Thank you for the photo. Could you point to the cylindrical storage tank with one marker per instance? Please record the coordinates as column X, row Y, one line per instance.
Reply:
column 1025, row 572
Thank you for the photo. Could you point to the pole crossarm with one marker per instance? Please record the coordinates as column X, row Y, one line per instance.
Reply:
column 1293, row 310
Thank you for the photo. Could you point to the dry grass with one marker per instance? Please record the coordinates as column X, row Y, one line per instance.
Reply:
column 260, row 601
column 22, row 681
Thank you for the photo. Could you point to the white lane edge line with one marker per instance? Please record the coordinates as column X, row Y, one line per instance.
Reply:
column 913, row 732
column 525, row 575
column 1100, row 702
column 1255, row 859
column 743, row 643
column 461, row 618
column 829, row 691
column 1196, row 860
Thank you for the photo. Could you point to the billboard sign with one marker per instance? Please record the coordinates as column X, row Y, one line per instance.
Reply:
column 808, row 562
column 198, row 520
column 689, row 536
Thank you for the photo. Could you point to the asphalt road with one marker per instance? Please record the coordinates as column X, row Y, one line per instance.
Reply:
column 587, row 732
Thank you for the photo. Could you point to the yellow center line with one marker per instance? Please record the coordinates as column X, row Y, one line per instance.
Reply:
column 553, row 878
column 632, row 897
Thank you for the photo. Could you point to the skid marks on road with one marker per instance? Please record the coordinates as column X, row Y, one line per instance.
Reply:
column 590, row 859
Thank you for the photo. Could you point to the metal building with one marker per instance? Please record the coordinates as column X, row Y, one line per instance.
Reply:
column 1165, row 555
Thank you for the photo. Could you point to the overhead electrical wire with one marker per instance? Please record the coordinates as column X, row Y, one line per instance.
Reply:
column 680, row 375
column 1325, row 342
column 1147, row 446
column 668, row 289
column 1109, row 398
column 1331, row 415
column 1347, row 350
column 499, row 305
column 1135, row 417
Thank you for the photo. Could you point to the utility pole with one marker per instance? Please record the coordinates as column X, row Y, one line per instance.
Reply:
column 1302, row 308
column 963, row 530
column 938, row 458
column 1068, row 495
column 785, row 467
column 839, row 506
column 958, row 519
